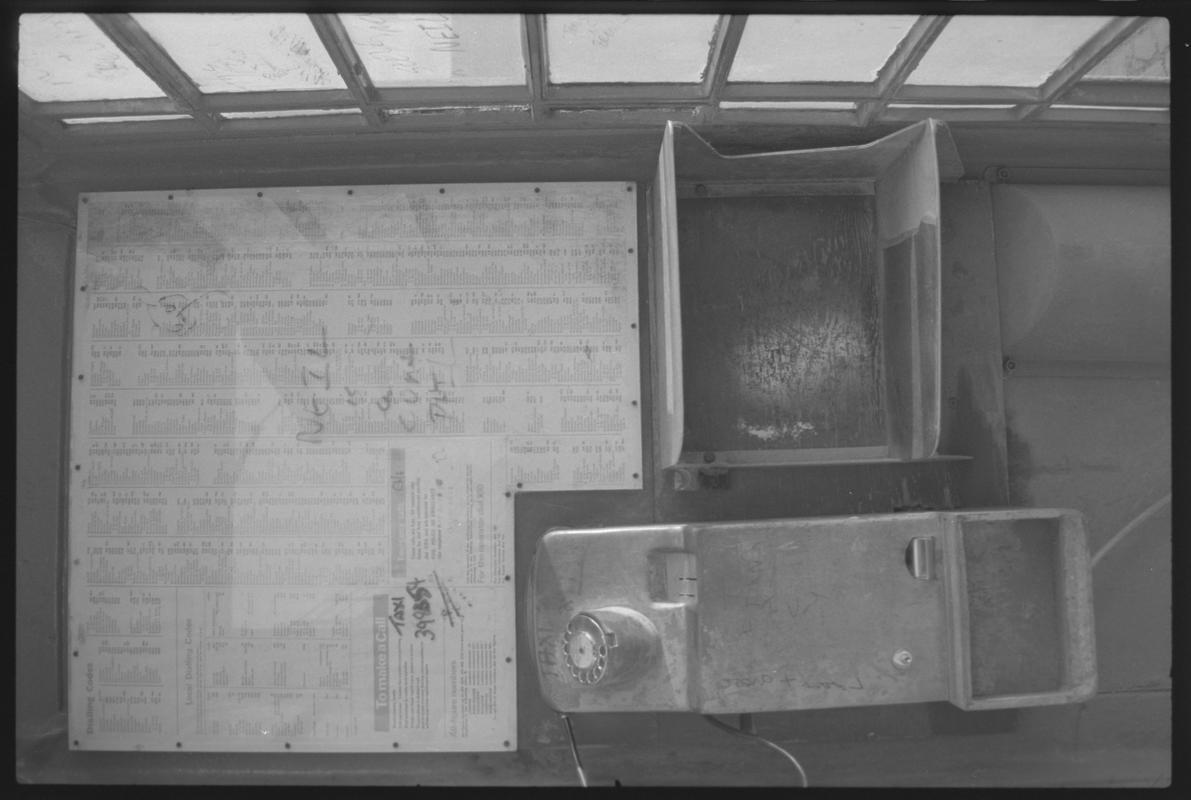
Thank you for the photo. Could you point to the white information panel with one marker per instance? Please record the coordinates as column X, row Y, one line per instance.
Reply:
column 299, row 419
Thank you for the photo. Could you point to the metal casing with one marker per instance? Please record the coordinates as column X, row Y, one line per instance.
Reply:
column 987, row 609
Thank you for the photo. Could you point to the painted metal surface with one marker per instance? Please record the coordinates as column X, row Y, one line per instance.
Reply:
column 811, row 613
column 782, row 344
column 795, row 614
column 973, row 410
column 1085, row 280
column 1084, row 272
column 1104, row 445
column 811, row 316
column 1019, row 591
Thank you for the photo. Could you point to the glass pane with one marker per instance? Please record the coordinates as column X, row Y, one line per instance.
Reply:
column 290, row 112
column 1145, row 54
column 821, row 105
column 439, row 49
column 624, row 48
column 67, row 57
column 817, row 48
column 423, row 110
column 948, row 106
column 1002, row 51
column 245, row 52
column 142, row 118
column 1109, row 108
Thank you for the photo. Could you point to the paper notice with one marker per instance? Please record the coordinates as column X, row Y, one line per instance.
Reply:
column 301, row 418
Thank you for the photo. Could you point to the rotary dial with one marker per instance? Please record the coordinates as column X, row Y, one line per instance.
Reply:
column 585, row 649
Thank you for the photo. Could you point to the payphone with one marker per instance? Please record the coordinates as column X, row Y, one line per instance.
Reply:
column 986, row 609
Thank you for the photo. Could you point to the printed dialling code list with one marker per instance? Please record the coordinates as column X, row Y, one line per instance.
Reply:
column 299, row 420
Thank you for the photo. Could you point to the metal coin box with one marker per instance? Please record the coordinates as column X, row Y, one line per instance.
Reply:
column 987, row 609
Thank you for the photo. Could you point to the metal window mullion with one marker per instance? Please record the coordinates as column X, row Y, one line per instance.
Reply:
column 418, row 96
column 537, row 63
column 111, row 132
column 84, row 142
column 1122, row 92
column 619, row 94
column 1104, row 115
column 222, row 102
column 1087, row 56
column 770, row 92
column 351, row 69
column 109, row 108
column 836, row 118
column 139, row 46
column 901, row 64
column 729, row 30
column 892, row 113
column 967, row 95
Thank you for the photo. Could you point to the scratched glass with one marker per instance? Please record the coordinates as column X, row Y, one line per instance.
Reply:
column 1111, row 113
column 1144, row 55
column 245, row 52
column 1002, row 51
column 67, row 57
column 950, row 106
column 292, row 112
column 438, row 49
column 1063, row 106
column 816, row 48
column 624, row 48
column 789, row 105
column 515, row 109
column 141, row 118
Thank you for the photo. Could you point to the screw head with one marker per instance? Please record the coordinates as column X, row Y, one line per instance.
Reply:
column 902, row 659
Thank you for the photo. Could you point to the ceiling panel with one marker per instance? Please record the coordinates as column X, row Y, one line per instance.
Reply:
column 623, row 48
column 817, row 48
column 67, row 57
column 244, row 52
column 1002, row 51
column 438, row 49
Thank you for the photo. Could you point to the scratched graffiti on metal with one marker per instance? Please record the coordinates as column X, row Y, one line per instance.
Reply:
column 781, row 318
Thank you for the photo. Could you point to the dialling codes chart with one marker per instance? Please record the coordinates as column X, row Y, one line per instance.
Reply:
column 298, row 422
